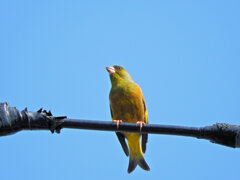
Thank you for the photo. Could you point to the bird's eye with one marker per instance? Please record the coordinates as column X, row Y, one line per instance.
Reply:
column 116, row 67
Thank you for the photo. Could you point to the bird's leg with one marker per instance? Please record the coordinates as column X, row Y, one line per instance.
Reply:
column 117, row 121
column 141, row 124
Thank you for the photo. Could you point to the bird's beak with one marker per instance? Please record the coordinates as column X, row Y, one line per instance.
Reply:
column 111, row 70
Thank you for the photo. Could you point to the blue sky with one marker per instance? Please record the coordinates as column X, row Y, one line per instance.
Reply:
column 184, row 55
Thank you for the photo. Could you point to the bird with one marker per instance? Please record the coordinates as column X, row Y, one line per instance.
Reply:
column 127, row 104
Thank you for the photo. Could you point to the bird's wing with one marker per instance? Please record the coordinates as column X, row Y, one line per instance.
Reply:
column 121, row 138
column 144, row 135
column 145, row 111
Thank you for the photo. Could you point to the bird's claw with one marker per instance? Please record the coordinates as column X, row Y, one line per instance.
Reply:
column 140, row 123
column 117, row 121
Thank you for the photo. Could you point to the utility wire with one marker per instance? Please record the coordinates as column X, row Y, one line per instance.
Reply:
column 12, row 121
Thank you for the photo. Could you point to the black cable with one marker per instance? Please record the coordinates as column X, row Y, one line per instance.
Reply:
column 12, row 121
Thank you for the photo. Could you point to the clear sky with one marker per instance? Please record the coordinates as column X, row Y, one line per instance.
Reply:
column 184, row 54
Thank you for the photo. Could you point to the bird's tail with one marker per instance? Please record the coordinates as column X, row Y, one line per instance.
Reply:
column 135, row 153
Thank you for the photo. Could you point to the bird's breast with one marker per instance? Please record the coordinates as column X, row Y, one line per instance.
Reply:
column 126, row 104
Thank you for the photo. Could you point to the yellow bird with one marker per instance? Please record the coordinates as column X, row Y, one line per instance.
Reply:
column 127, row 105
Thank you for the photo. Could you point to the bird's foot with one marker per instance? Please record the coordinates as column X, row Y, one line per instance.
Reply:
column 117, row 121
column 141, row 123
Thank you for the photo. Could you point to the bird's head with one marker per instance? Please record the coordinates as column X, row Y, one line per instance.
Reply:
column 118, row 74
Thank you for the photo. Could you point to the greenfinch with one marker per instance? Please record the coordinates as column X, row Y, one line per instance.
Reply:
column 127, row 105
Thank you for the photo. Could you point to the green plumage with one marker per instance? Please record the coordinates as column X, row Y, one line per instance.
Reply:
column 127, row 104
